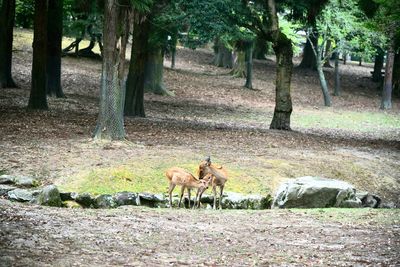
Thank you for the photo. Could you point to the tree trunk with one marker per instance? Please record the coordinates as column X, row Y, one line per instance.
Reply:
column 154, row 73
column 322, row 80
column 54, row 38
column 327, row 53
column 260, row 49
column 396, row 75
column 238, row 70
column 309, row 61
column 7, row 16
column 249, row 65
column 337, row 75
column 110, row 122
column 378, row 65
column 344, row 58
column 284, row 66
column 134, row 100
column 386, row 102
column 223, row 56
column 37, row 98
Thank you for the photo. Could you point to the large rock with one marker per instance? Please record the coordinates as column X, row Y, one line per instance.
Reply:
column 105, row 202
column 26, row 181
column 239, row 201
column 316, row 192
column 50, row 196
column 84, row 199
column 151, row 200
column 20, row 195
column 126, row 198
column 368, row 200
column 6, row 179
column 5, row 188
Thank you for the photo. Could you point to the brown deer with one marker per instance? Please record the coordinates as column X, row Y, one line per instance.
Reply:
column 219, row 177
column 178, row 176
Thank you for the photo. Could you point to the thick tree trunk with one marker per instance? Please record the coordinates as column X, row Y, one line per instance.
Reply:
column 110, row 122
column 309, row 60
column 396, row 74
column 260, row 49
column 378, row 65
column 134, row 100
column 337, row 75
column 154, row 73
column 284, row 66
column 386, row 102
column 37, row 98
column 223, row 56
column 249, row 65
column 54, row 38
column 239, row 68
column 7, row 16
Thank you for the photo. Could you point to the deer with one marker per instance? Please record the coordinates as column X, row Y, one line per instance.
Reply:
column 178, row 176
column 218, row 175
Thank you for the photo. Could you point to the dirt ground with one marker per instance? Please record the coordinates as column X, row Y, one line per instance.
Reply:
column 211, row 114
column 132, row 236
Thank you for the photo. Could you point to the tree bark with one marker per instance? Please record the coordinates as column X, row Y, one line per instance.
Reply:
column 386, row 102
column 260, row 49
column 337, row 76
column 54, row 38
column 154, row 73
column 327, row 53
column 378, row 65
column 309, row 60
column 284, row 66
column 396, row 74
column 134, row 100
column 223, row 56
column 239, row 67
column 7, row 16
column 110, row 122
column 249, row 64
column 322, row 80
column 37, row 98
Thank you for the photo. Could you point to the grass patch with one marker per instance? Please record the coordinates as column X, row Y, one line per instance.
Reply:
column 354, row 216
column 347, row 120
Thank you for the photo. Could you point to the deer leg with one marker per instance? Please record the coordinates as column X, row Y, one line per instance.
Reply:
column 171, row 188
column 221, row 191
column 180, row 199
column 189, row 196
column 215, row 197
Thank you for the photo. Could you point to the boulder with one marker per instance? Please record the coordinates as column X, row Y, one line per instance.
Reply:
column 368, row 200
column 6, row 179
column 126, row 198
column 84, row 199
column 25, row 181
column 5, row 188
column 66, row 196
column 239, row 201
column 315, row 192
column 151, row 200
column 105, row 202
column 20, row 195
column 50, row 196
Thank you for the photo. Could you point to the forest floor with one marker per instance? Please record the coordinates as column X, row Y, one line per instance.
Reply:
column 210, row 114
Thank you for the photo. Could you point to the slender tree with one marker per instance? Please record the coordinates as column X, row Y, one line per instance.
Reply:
column 37, row 98
column 7, row 16
column 54, row 38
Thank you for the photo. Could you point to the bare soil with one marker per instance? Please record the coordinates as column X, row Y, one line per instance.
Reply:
column 211, row 114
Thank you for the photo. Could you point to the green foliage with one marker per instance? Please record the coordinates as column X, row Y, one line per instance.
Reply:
column 290, row 28
column 24, row 11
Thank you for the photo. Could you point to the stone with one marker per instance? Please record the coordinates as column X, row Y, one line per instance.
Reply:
column 239, row 201
column 105, row 202
column 150, row 200
column 6, row 179
column 368, row 200
column 66, row 196
column 25, row 181
column 5, row 188
column 316, row 192
column 71, row 204
column 84, row 199
column 50, row 196
column 126, row 198
column 20, row 195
